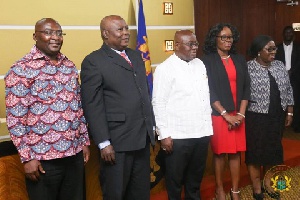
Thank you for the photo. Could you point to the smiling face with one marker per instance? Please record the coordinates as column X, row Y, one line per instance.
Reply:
column 115, row 32
column 51, row 44
column 267, row 54
column 224, row 41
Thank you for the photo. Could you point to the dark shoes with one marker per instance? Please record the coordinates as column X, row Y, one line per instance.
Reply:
column 259, row 196
column 273, row 195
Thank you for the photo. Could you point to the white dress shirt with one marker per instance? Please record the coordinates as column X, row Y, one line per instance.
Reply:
column 181, row 99
column 288, row 55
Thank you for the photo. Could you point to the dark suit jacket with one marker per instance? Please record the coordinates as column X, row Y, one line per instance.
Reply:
column 295, row 61
column 219, row 84
column 115, row 98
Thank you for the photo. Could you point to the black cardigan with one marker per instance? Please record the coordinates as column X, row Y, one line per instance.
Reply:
column 219, row 84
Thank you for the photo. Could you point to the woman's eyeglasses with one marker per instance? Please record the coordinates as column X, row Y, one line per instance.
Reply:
column 271, row 49
column 225, row 37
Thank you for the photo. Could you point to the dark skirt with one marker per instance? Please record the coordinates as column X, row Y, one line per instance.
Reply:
column 264, row 132
column 263, row 139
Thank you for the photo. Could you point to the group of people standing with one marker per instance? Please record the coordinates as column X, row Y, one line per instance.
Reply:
column 219, row 99
column 252, row 103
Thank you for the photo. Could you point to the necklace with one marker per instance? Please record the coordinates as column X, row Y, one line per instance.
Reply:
column 262, row 65
column 225, row 57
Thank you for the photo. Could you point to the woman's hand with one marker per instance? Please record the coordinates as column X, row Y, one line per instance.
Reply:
column 288, row 120
column 233, row 120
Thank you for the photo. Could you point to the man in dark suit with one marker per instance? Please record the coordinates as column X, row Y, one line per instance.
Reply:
column 289, row 53
column 119, row 113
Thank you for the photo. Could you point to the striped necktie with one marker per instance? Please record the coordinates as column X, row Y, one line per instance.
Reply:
column 126, row 58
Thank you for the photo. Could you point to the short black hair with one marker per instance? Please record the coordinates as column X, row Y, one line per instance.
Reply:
column 287, row 28
column 210, row 44
column 258, row 43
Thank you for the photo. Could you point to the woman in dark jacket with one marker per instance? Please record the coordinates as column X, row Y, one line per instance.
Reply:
column 229, row 89
column 270, row 108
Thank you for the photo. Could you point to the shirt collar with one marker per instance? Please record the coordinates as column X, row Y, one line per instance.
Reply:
column 37, row 54
column 187, row 62
column 119, row 52
column 291, row 44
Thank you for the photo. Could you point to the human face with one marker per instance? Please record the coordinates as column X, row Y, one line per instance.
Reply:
column 186, row 48
column 117, row 34
column 288, row 35
column 267, row 54
column 51, row 44
column 224, row 41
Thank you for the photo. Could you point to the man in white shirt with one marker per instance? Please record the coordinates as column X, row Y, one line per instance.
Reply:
column 182, row 111
column 289, row 53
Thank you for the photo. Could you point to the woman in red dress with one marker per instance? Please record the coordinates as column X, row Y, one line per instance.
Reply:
column 230, row 90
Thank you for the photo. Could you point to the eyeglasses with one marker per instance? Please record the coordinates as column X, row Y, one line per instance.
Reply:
column 271, row 49
column 49, row 32
column 225, row 38
column 191, row 44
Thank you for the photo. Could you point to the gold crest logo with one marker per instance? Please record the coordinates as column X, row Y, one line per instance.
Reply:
column 278, row 178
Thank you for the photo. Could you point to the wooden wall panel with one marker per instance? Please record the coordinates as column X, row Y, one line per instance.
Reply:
column 251, row 18
column 257, row 19
column 286, row 15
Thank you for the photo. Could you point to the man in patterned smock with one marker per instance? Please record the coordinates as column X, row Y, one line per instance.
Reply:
column 45, row 119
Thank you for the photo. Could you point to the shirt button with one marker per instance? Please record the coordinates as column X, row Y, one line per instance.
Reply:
column 134, row 74
column 145, row 117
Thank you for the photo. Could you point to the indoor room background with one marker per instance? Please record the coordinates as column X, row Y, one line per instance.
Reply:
column 80, row 21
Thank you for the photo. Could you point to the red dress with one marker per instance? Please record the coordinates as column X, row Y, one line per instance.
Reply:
column 223, row 140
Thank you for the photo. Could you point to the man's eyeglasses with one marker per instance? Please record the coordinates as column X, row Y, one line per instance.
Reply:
column 49, row 32
column 271, row 49
column 191, row 44
column 225, row 38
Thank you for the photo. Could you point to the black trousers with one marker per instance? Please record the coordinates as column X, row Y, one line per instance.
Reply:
column 128, row 178
column 63, row 180
column 185, row 167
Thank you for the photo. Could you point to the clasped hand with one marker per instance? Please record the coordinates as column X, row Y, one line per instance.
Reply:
column 108, row 154
column 233, row 121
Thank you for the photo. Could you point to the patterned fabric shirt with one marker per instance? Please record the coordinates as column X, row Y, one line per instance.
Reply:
column 43, row 107
column 260, row 86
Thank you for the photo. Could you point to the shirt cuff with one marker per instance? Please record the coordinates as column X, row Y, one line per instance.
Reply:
column 162, row 134
column 104, row 144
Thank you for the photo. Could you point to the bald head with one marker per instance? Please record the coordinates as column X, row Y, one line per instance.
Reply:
column 186, row 45
column 179, row 35
column 105, row 23
column 39, row 24
column 114, row 32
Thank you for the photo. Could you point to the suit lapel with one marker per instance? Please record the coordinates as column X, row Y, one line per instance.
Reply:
column 132, row 58
column 116, row 58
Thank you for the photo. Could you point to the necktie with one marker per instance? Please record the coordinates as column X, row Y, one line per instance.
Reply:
column 126, row 58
